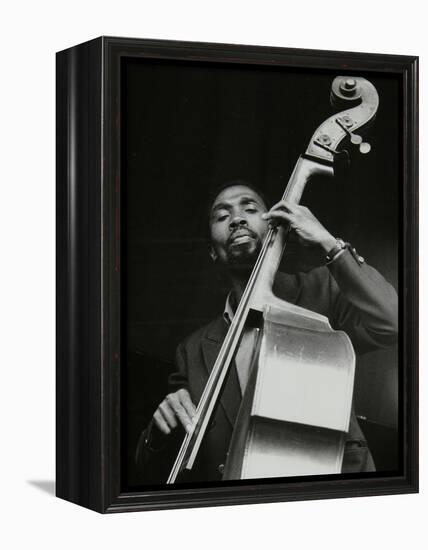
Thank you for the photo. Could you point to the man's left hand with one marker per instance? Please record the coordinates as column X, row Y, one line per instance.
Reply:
column 301, row 220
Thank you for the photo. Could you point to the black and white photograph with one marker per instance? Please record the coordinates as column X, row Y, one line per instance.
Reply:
column 260, row 232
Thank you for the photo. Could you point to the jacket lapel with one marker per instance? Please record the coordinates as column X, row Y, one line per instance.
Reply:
column 230, row 399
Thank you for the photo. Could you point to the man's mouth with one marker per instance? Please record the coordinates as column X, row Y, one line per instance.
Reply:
column 240, row 237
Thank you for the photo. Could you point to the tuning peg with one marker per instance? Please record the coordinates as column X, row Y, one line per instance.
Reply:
column 356, row 139
column 365, row 148
column 345, row 123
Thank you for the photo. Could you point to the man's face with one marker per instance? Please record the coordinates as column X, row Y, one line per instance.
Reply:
column 236, row 225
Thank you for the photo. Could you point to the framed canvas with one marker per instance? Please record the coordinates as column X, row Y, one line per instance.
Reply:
column 181, row 381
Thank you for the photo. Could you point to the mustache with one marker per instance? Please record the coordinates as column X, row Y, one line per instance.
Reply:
column 240, row 232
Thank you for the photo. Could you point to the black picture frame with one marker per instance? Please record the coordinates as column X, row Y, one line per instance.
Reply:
column 90, row 420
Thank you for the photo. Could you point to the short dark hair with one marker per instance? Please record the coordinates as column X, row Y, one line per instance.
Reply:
column 232, row 183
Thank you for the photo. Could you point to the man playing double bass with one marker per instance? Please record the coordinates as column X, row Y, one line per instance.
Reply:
column 351, row 294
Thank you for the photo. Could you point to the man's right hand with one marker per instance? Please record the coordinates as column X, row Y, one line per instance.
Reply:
column 176, row 408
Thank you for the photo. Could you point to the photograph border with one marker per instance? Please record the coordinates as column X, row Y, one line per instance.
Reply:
column 88, row 174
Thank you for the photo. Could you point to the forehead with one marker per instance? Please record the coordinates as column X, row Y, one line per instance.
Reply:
column 235, row 193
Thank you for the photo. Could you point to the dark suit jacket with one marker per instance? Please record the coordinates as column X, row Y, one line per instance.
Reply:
column 355, row 298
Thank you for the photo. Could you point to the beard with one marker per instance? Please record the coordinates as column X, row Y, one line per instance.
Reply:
column 242, row 256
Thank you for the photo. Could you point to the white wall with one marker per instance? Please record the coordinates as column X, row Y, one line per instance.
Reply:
column 31, row 32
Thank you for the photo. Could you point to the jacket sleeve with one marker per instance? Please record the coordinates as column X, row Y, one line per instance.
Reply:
column 178, row 379
column 155, row 452
column 364, row 304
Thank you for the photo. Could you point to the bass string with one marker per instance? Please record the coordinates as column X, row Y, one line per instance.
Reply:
column 209, row 395
column 234, row 329
column 237, row 319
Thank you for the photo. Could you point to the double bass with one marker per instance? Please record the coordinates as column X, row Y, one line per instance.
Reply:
column 296, row 408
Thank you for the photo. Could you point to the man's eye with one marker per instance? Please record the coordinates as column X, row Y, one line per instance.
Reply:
column 251, row 209
column 221, row 217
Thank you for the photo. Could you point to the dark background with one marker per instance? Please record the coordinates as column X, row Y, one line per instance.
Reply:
column 186, row 127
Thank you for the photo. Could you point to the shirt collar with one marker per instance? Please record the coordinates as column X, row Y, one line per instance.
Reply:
column 228, row 313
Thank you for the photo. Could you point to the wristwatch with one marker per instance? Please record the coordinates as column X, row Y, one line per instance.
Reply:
column 337, row 248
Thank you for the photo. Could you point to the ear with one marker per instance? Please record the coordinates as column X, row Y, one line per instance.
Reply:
column 213, row 254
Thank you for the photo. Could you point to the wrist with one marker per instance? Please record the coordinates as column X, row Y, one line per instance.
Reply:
column 328, row 242
column 336, row 250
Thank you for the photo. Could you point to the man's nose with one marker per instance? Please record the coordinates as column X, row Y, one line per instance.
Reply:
column 237, row 221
